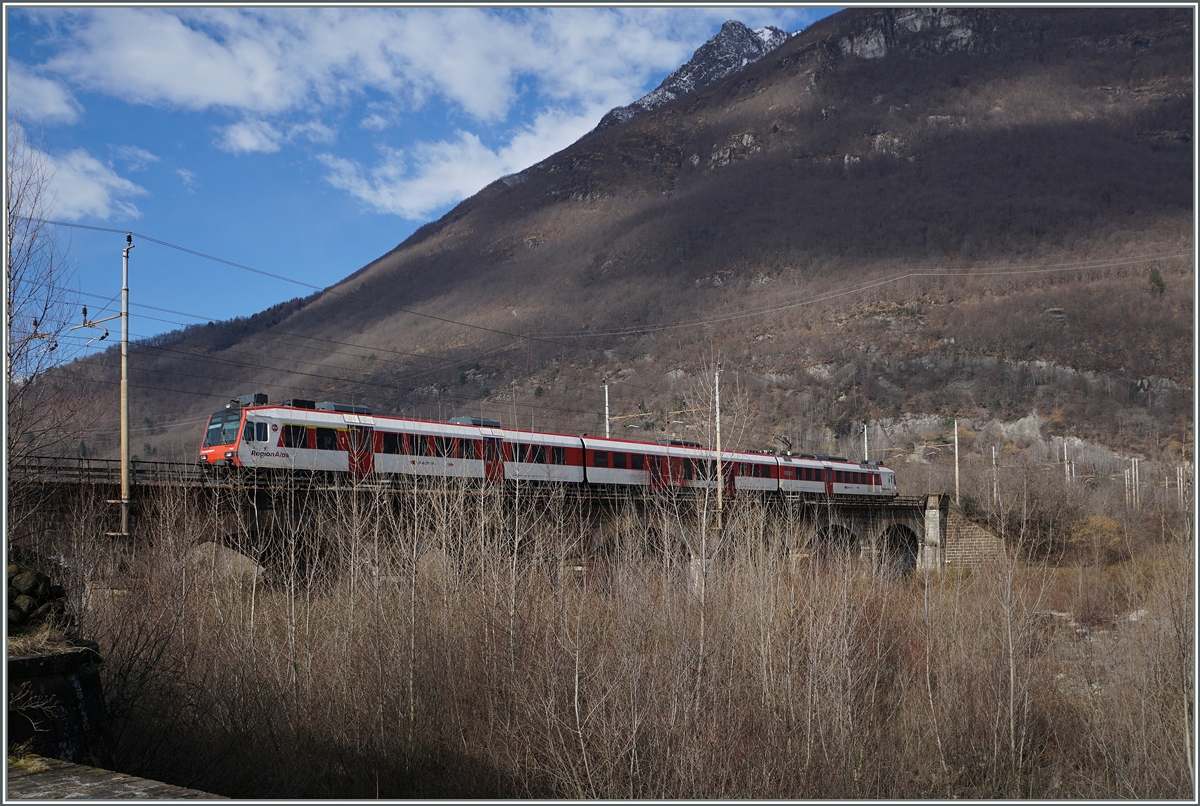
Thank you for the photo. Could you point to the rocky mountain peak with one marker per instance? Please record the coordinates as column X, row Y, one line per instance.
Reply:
column 734, row 47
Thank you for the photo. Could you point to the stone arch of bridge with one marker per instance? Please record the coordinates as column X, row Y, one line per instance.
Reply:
column 897, row 548
column 830, row 539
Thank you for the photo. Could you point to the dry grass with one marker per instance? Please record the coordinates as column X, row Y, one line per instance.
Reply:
column 41, row 640
column 21, row 760
column 431, row 645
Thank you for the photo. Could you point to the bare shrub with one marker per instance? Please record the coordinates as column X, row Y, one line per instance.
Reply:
column 441, row 641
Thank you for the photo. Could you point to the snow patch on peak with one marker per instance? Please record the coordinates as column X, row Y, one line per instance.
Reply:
column 734, row 47
column 771, row 37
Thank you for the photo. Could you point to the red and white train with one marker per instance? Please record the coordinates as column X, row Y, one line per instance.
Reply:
column 336, row 438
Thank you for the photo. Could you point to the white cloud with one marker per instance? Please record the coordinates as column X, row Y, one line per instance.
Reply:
column 35, row 99
column 84, row 186
column 187, row 177
column 429, row 176
column 135, row 159
column 375, row 122
column 532, row 79
column 249, row 137
column 266, row 62
column 314, row 131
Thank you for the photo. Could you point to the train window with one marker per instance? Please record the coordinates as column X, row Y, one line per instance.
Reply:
column 295, row 436
column 518, row 451
column 260, row 431
column 537, row 454
column 418, row 445
column 558, row 456
column 326, row 439
column 689, row 471
column 637, row 461
column 619, row 460
column 466, row 448
column 875, row 480
column 222, row 428
column 391, row 443
column 444, row 447
column 600, row 458
column 248, row 432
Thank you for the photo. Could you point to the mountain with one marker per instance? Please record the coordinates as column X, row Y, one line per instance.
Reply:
column 734, row 47
column 893, row 214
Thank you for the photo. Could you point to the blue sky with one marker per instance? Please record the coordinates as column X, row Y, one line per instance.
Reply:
column 307, row 142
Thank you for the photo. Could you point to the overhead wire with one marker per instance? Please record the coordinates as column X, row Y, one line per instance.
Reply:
column 326, row 290
column 546, row 338
column 645, row 330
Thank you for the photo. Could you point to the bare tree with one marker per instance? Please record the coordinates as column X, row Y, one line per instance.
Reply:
column 38, row 302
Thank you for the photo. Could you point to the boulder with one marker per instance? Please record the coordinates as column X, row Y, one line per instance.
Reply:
column 26, row 582
column 25, row 604
column 216, row 563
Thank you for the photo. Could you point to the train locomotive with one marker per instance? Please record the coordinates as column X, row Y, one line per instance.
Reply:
column 334, row 438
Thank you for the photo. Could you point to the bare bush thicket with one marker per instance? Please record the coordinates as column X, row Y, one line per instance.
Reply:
column 442, row 643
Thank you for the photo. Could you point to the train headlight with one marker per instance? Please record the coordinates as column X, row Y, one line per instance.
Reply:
column 230, row 454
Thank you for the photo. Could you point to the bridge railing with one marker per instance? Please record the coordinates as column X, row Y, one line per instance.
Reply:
column 73, row 470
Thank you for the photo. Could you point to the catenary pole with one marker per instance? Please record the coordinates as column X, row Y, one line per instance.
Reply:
column 956, row 502
column 720, row 470
column 125, row 384
column 606, row 434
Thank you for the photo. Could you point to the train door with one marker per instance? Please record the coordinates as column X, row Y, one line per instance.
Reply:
column 666, row 472
column 827, row 471
column 360, row 447
column 493, row 459
column 660, row 473
column 728, row 469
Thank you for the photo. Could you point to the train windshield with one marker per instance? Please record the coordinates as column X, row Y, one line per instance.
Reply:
column 223, row 428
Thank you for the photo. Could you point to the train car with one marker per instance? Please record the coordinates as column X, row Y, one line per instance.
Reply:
column 622, row 462
column 289, row 438
column 814, row 475
column 753, row 472
column 425, row 448
column 542, row 457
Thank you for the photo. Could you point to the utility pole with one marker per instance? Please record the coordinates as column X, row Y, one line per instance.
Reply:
column 955, row 462
column 720, row 470
column 606, row 434
column 125, row 384
column 995, row 480
column 866, row 452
